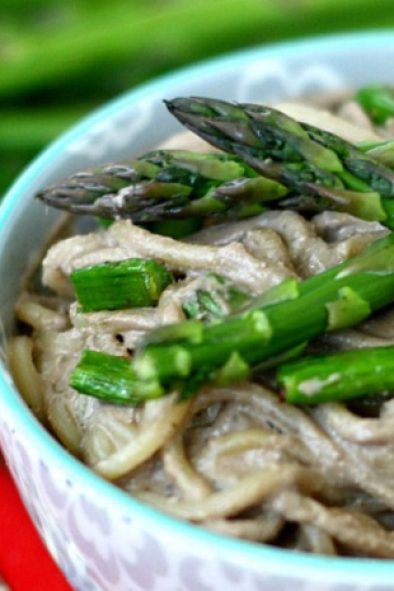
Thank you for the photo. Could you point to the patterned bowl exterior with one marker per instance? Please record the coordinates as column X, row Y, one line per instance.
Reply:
column 101, row 538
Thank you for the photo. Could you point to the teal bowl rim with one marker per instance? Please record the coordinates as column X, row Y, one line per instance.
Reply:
column 296, row 563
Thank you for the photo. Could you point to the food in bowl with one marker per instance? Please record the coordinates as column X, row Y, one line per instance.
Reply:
column 192, row 370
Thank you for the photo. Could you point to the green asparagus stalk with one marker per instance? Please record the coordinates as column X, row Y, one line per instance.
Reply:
column 317, row 379
column 165, row 189
column 187, row 354
column 167, row 185
column 132, row 283
column 377, row 101
column 381, row 151
column 331, row 172
column 105, row 376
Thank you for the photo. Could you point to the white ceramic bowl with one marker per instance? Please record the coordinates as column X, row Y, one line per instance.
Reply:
column 102, row 538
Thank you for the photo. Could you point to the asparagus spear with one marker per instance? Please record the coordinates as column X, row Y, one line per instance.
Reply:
column 377, row 101
column 331, row 172
column 187, row 354
column 104, row 376
column 327, row 378
column 167, row 185
column 382, row 151
column 164, row 189
column 132, row 283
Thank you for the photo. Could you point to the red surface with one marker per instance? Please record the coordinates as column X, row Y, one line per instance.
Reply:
column 24, row 562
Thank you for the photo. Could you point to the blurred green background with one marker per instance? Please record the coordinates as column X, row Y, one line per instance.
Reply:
column 61, row 58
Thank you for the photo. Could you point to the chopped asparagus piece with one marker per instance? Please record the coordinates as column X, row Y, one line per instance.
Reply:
column 342, row 376
column 104, row 376
column 111, row 379
column 132, row 283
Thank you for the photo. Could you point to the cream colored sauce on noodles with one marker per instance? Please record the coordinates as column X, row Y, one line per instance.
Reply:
column 236, row 460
